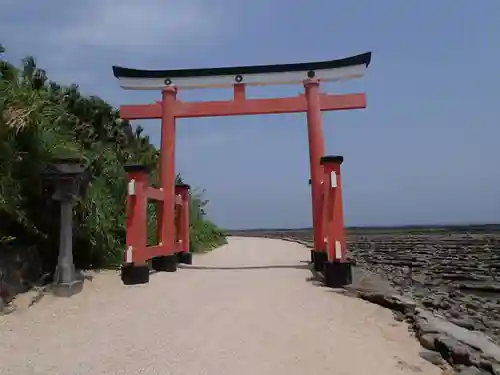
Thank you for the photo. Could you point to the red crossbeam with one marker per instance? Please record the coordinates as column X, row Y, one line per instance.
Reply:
column 156, row 251
column 328, row 102
column 153, row 193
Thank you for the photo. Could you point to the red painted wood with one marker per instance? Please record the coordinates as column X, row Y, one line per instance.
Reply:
column 334, row 213
column 240, row 107
column 183, row 223
column 153, row 193
column 166, row 222
column 327, row 201
column 316, row 151
column 136, row 220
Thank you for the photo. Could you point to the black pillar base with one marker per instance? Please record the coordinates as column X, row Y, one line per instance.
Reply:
column 185, row 257
column 67, row 289
column 337, row 274
column 320, row 257
column 166, row 263
column 135, row 274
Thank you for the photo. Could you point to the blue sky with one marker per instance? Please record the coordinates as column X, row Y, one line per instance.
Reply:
column 425, row 150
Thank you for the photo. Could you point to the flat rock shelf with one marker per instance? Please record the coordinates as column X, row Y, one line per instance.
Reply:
column 454, row 274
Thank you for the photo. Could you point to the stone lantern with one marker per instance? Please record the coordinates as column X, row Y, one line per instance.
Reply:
column 69, row 177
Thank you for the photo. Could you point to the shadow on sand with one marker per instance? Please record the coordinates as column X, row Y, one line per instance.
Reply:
column 303, row 266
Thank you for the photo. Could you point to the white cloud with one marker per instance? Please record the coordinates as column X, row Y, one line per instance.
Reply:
column 140, row 23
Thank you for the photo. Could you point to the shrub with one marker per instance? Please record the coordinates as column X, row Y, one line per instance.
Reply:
column 40, row 119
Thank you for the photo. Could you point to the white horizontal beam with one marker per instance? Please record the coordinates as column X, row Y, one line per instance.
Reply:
column 255, row 79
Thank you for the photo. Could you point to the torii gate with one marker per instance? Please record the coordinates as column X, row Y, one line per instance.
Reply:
column 329, row 253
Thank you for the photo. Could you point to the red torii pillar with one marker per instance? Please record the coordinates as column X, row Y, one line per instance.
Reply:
column 166, row 217
column 316, row 151
column 170, row 109
column 182, row 225
column 336, row 268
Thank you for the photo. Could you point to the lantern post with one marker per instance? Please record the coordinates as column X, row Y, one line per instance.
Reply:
column 69, row 177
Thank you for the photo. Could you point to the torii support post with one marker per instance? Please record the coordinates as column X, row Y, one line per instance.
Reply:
column 135, row 269
column 316, row 151
column 171, row 108
column 182, row 225
column 336, row 269
column 166, row 220
column 318, row 252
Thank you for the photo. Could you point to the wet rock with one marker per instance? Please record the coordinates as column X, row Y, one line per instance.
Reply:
column 428, row 341
column 476, row 340
column 6, row 307
column 465, row 323
column 399, row 316
column 432, row 357
column 453, row 351
column 495, row 324
column 453, row 343
column 495, row 369
column 471, row 370
column 393, row 302
column 447, row 271
column 422, row 327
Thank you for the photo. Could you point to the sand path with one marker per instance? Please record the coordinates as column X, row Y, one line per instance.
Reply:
column 244, row 309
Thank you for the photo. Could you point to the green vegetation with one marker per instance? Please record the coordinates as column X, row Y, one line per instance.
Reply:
column 40, row 119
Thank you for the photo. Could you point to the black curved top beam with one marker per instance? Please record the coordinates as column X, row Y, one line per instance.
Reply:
column 362, row 59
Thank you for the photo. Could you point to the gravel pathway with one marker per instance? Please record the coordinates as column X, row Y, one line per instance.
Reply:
column 246, row 308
